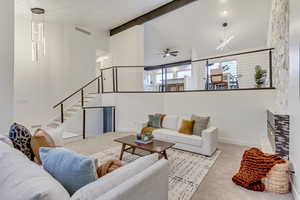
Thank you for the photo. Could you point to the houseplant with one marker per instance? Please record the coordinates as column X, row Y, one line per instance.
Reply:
column 260, row 76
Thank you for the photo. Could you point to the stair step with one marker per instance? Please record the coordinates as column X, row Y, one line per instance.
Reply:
column 53, row 125
column 88, row 97
column 72, row 110
column 68, row 135
column 77, row 106
column 85, row 101
column 93, row 95
column 59, row 120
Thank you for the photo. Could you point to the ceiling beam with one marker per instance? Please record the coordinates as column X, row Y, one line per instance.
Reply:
column 164, row 9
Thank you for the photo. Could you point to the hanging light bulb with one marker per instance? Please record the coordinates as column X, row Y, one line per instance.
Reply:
column 38, row 33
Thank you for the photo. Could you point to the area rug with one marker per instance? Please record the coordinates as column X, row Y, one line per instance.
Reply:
column 187, row 170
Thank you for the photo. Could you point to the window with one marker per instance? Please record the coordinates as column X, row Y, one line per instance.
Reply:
column 227, row 67
column 230, row 67
column 158, row 77
column 184, row 73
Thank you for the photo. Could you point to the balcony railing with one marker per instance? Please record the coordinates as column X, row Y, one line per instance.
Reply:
column 240, row 71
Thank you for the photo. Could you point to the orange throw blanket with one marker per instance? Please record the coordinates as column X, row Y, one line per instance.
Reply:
column 255, row 166
column 148, row 130
column 108, row 167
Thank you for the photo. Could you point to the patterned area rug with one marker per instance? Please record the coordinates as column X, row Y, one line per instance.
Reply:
column 187, row 170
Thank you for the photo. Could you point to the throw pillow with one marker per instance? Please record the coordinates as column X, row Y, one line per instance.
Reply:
column 72, row 170
column 201, row 123
column 187, row 127
column 21, row 137
column 162, row 116
column 40, row 139
column 154, row 121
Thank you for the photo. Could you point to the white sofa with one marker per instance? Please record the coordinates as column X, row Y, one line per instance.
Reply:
column 21, row 179
column 204, row 145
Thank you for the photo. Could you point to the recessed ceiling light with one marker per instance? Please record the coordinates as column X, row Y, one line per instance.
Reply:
column 225, row 12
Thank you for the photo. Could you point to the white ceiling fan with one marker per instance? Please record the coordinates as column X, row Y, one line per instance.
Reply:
column 226, row 39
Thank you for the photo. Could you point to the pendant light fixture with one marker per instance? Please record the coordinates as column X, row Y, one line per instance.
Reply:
column 226, row 38
column 38, row 33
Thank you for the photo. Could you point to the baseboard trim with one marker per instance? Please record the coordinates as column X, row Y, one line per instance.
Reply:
column 295, row 193
column 237, row 142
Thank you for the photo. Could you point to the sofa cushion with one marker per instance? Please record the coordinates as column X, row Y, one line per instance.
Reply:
column 72, row 170
column 22, row 179
column 170, row 122
column 176, row 137
column 21, row 137
column 201, row 123
column 187, row 127
column 115, row 178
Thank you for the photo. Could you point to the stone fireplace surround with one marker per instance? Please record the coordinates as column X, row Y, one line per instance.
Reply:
column 278, row 133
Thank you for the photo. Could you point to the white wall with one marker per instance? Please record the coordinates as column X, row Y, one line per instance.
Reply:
column 127, row 49
column 294, row 94
column 133, row 108
column 240, row 116
column 6, row 64
column 70, row 62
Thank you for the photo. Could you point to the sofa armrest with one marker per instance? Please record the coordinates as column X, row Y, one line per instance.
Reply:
column 210, row 140
column 140, row 126
column 150, row 184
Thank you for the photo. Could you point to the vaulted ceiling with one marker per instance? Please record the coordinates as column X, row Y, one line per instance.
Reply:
column 198, row 26
column 195, row 26
column 98, row 14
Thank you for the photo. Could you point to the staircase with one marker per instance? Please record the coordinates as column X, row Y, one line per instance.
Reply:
column 69, row 112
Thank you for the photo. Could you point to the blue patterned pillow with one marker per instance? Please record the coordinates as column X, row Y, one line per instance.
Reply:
column 21, row 138
column 72, row 170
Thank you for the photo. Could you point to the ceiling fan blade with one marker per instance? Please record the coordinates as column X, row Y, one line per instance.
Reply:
column 174, row 52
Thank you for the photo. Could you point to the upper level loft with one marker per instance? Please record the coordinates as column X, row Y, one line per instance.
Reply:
column 238, row 71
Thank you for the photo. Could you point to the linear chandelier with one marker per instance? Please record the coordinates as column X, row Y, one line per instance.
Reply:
column 38, row 41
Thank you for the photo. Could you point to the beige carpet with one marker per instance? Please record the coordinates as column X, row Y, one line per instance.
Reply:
column 217, row 184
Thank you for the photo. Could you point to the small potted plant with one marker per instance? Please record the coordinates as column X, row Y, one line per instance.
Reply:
column 260, row 76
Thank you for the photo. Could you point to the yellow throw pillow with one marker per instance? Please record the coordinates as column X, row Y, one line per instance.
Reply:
column 187, row 127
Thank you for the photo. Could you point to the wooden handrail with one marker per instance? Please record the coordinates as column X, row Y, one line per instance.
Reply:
column 86, row 85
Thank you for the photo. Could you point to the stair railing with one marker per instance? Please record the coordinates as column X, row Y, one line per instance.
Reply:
column 81, row 90
column 94, row 108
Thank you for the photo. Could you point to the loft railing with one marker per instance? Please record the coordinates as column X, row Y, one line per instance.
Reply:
column 120, row 79
column 81, row 91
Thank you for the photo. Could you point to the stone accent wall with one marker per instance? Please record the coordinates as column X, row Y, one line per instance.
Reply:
column 279, row 39
column 280, row 126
